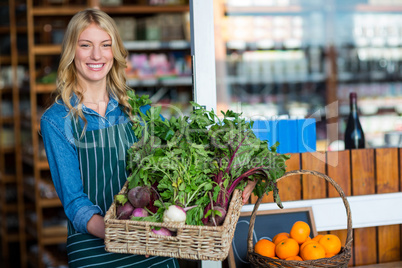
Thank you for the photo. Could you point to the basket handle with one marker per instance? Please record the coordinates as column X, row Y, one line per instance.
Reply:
column 349, row 238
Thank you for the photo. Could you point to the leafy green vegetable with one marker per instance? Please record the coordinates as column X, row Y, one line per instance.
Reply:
column 191, row 160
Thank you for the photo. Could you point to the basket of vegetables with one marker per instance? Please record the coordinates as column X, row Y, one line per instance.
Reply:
column 309, row 254
column 184, row 193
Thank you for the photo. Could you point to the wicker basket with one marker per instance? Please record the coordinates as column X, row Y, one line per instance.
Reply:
column 191, row 242
column 339, row 260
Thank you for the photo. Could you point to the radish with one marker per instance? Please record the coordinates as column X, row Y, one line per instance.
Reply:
column 139, row 196
column 162, row 231
column 139, row 212
column 124, row 211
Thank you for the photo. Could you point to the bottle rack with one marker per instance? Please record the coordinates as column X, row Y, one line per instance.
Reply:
column 11, row 186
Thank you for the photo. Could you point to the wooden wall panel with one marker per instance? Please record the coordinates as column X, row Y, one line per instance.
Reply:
column 387, row 170
column 363, row 177
column 338, row 168
column 289, row 188
column 387, row 173
column 312, row 186
column 389, row 243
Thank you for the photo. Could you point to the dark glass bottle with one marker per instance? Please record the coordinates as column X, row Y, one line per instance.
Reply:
column 354, row 135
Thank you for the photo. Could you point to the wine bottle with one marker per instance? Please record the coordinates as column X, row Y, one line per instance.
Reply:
column 354, row 135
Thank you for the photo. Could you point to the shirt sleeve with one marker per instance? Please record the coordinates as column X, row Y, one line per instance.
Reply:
column 64, row 167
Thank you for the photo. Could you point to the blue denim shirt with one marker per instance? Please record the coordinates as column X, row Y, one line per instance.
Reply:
column 63, row 160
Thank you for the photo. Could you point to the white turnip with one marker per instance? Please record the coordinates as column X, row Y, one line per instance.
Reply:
column 174, row 214
column 139, row 196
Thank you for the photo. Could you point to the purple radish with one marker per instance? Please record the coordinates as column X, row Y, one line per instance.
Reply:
column 162, row 231
column 139, row 212
column 123, row 212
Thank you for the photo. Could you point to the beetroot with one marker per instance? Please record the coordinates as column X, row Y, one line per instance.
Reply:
column 139, row 196
column 124, row 211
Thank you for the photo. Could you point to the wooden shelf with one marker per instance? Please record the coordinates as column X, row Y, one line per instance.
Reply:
column 57, row 11
column 7, row 149
column 46, row 50
column 50, row 203
column 41, row 164
column 7, row 120
column 6, row 90
column 144, row 9
column 5, row 60
column 7, row 178
column 45, row 88
column 11, row 236
column 51, row 235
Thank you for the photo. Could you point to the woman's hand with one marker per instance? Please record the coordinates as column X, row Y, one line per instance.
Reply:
column 248, row 190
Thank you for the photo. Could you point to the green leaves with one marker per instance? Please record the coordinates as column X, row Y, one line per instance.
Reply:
column 193, row 159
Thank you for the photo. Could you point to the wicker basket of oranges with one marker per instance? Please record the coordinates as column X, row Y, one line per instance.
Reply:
column 294, row 250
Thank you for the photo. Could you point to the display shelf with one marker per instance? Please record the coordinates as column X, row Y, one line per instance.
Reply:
column 7, row 178
column 10, row 153
column 157, row 45
column 45, row 88
column 157, row 82
column 41, row 50
column 144, row 9
column 56, row 11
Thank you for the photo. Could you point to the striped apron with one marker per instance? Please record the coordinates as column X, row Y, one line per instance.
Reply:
column 102, row 157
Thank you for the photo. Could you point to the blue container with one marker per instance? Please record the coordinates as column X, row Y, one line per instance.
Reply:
column 293, row 135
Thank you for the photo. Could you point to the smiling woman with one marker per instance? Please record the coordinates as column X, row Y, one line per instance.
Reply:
column 86, row 133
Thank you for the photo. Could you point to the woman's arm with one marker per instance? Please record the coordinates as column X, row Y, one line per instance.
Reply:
column 64, row 168
column 96, row 226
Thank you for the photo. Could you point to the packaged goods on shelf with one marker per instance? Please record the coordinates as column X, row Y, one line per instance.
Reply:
column 158, row 65
column 111, row 2
column 127, row 28
column 162, row 27
column 6, row 109
column 6, row 76
column 7, row 137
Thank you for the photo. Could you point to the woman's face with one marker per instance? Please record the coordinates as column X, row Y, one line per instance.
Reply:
column 93, row 55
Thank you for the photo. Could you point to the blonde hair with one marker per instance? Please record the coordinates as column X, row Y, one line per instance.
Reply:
column 67, row 83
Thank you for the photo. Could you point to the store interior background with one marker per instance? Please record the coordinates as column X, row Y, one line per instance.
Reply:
column 298, row 58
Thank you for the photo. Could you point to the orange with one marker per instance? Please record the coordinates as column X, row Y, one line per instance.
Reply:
column 305, row 243
column 312, row 251
column 329, row 255
column 318, row 237
column 294, row 258
column 287, row 248
column 331, row 244
column 265, row 248
column 300, row 231
column 279, row 237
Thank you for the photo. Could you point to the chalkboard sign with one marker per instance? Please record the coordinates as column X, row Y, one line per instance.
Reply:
column 267, row 224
